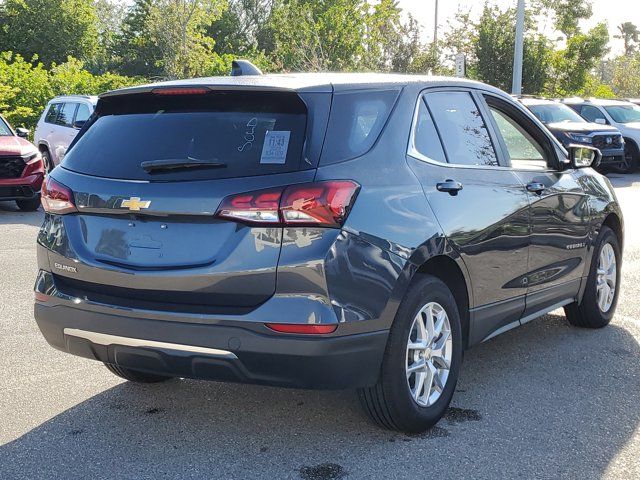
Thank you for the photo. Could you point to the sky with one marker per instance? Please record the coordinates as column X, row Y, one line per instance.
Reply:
column 614, row 12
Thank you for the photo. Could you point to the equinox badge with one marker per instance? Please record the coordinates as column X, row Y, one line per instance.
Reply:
column 135, row 204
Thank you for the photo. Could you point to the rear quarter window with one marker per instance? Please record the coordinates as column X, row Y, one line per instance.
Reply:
column 356, row 121
column 250, row 133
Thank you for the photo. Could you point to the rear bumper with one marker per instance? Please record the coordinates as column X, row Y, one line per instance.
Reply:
column 223, row 352
column 23, row 188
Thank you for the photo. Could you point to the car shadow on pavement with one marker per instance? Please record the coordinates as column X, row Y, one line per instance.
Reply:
column 545, row 400
column 11, row 214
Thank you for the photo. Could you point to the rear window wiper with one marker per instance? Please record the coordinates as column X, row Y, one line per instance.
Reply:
column 180, row 163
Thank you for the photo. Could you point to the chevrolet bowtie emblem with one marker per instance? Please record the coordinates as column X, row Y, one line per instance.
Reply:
column 135, row 204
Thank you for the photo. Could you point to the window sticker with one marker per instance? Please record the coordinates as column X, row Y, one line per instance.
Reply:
column 274, row 150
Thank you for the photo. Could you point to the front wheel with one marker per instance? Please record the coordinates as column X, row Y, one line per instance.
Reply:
column 631, row 157
column 422, row 360
column 603, row 285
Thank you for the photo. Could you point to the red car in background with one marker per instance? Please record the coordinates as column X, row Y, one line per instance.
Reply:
column 21, row 168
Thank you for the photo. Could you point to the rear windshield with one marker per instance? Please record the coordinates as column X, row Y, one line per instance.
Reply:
column 237, row 134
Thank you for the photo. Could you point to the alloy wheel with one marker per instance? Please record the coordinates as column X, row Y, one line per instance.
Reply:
column 606, row 278
column 429, row 353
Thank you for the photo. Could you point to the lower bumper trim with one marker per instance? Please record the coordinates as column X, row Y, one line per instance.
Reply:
column 107, row 340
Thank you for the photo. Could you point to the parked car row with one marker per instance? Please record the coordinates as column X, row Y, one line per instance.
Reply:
column 612, row 126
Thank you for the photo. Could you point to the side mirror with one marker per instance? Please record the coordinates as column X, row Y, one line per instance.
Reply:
column 78, row 124
column 582, row 157
column 22, row 132
column 600, row 121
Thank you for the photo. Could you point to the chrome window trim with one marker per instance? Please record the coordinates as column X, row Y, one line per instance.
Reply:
column 107, row 340
column 413, row 152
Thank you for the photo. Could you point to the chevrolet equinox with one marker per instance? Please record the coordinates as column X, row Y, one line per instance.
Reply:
column 319, row 231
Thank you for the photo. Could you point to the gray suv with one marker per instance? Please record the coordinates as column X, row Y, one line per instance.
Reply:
column 319, row 231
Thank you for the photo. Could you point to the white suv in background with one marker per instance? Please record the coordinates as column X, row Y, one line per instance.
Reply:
column 59, row 125
column 625, row 116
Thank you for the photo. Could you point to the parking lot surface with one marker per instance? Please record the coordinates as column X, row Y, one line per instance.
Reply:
column 546, row 400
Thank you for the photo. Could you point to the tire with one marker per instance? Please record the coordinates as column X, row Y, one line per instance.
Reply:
column 135, row 375
column 632, row 156
column 623, row 168
column 29, row 205
column 589, row 313
column 390, row 402
column 46, row 159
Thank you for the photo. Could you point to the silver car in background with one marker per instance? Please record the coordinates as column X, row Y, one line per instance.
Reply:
column 59, row 124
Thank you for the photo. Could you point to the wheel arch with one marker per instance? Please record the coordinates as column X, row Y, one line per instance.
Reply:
column 632, row 142
column 614, row 222
column 449, row 271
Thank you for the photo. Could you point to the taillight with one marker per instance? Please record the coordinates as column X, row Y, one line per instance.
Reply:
column 56, row 198
column 302, row 328
column 325, row 204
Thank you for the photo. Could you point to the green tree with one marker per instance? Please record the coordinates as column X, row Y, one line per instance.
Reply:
column 493, row 46
column 317, row 35
column 178, row 28
column 134, row 51
column 568, row 14
column 625, row 80
column 630, row 35
column 50, row 29
column 572, row 65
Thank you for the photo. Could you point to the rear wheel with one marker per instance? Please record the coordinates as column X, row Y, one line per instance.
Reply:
column 135, row 375
column 29, row 205
column 422, row 360
column 603, row 285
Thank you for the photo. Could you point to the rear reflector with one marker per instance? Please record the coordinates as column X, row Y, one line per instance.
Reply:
column 180, row 91
column 41, row 297
column 324, row 204
column 56, row 198
column 303, row 329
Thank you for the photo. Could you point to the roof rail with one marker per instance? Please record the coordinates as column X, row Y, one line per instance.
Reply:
column 244, row 67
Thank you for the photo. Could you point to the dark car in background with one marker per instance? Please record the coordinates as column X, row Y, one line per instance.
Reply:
column 625, row 116
column 21, row 168
column 319, row 231
column 570, row 129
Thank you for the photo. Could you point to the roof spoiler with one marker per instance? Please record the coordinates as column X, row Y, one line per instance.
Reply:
column 244, row 67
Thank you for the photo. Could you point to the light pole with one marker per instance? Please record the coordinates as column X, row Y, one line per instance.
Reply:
column 435, row 28
column 516, row 88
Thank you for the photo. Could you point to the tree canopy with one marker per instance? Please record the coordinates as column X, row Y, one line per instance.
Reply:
column 87, row 46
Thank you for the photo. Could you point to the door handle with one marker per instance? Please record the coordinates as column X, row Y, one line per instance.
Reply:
column 450, row 186
column 535, row 187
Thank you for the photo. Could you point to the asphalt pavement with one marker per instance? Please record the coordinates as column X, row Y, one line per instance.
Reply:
column 543, row 401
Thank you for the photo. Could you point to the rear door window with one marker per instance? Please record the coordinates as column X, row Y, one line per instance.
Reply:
column 243, row 133
column 463, row 131
column 66, row 114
